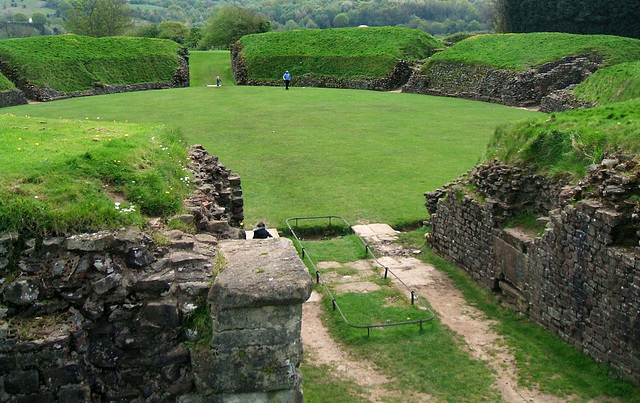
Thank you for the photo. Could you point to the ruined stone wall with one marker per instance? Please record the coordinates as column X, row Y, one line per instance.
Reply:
column 580, row 278
column 44, row 93
column 109, row 316
column 12, row 98
column 396, row 78
column 513, row 88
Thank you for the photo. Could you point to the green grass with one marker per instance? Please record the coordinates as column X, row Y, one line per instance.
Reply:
column 528, row 222
column 61, row 176
column 342, row 249
column 71, row 63
column 566, row 143
column 420, row 361
column 525, row 51
column 343, row 52
column 320, row 385
column 617, row 83
column 543, row 360
column 205, row 66
column 5, row 84
column 367, row 156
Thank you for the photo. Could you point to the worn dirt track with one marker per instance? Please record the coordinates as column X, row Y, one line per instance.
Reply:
column 449, row 305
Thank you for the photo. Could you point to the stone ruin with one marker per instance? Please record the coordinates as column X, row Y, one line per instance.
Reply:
column 524, row 89
column 396, row 78
column 580, row 277
column 113, row 316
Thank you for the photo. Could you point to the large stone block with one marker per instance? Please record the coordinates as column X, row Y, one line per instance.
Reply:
column 261, row 273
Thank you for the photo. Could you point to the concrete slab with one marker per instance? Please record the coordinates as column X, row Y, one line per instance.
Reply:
column 376, row 232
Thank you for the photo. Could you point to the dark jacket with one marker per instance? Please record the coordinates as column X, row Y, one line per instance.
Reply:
column 261, row 233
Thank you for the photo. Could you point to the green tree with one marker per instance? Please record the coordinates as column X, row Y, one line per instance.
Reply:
column 147, row 31
column 195, row 36
column 173, row 30
column 39, row 18
column 230, row 24
column 98, row 17
column 341, row 20
column 19, row 18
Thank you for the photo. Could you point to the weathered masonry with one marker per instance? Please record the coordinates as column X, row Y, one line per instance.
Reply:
column 140, row 316
column 580, row 278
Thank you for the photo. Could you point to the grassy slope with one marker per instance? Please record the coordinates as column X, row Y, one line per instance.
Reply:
column 72, row 63
column 55, row 172
column 5, row 84
column 343, row 52
column 611, row 84
column 570, row 141
column 524, row 51
column 368, row 156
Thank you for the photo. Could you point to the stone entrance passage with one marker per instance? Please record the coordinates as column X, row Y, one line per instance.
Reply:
column 256, row 308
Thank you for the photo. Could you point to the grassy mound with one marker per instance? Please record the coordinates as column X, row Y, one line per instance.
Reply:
column 568, row 142
column 61, row 176
column 612, row 84
column 5, row 84
column 71, row 63
column 520, row 52
column 344, row 52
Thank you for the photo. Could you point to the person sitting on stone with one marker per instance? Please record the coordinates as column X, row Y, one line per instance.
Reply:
column 261, row 231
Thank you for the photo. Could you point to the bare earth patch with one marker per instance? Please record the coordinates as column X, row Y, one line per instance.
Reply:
column 450, row 307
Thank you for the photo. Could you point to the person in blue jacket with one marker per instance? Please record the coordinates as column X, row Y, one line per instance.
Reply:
column 287, row 78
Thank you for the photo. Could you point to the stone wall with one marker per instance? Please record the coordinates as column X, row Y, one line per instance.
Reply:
column 580, row 278
column 109, row 316
column 12, row 98
column 257, row 315
column 513, row 88
column 396, row 78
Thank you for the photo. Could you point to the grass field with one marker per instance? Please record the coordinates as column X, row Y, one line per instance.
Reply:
column 367, row 156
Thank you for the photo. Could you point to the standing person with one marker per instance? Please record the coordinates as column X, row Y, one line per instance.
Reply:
column 287, row 78
column 218, row 80
column 261, row 232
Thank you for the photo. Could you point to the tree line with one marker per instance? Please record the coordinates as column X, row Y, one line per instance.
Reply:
column 612, row 17
column 205, row 24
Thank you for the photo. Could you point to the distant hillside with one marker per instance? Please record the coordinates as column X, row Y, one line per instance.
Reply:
column 525, row 51
column 345, row 52
column 70, row 63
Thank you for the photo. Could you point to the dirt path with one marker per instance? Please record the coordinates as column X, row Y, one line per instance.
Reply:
column 449, row 305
